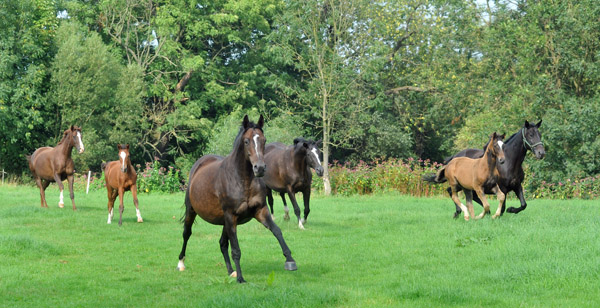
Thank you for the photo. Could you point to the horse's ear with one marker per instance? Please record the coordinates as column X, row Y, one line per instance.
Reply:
column 72, row 127
column 305, row 144
column 296, row 140
column 118, row 146
column 127, row 146
column 245, row 122
column 261, row 121
column 539, row 124
column 502, row 136
column 527, row 125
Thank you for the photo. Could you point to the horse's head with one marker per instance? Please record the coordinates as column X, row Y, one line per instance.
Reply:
column 254, row 145
column 311, row 150
column 75, row 134
column 123, row 156
column 495, row 147
column 532, row 139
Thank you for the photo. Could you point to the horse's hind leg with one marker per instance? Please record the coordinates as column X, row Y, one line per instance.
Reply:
column 188, row 221
column 296, row 207
column 306, row 198
column 286, row 210
column 458, row 210
column 224, row 244
column 459, row 204
column 121, row 206
column 42, row 185
column 270, row 201
column 71, row 194
column 264, row 217
column 136, row 203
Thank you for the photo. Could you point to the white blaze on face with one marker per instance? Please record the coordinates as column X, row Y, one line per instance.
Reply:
column 80, row 142
column 123, row 156
column 500, row 144
column 314, row 151
column 256, row 143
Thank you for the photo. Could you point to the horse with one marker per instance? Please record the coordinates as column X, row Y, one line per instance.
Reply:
column 471, row 175
column 230, row 191
column 289, row 172
column 510, row 174
column 54, row 164
column 120, row 176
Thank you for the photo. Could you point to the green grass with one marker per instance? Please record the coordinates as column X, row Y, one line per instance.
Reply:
column 367, row 251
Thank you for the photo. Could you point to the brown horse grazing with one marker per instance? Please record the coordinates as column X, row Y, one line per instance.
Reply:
column 120, row 176
column 49, row 164
column 473, row 175
column 289, row 172
column 230, row 191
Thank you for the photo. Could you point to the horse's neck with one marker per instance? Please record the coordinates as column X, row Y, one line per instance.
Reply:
column 515, row 150
column 242, row 167
column 488, row 161
column 299, row 161
column 65, row 146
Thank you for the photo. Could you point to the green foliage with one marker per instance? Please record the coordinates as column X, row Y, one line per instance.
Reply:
column 155, row 178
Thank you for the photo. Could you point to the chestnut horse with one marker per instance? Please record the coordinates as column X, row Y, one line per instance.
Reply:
column 120, row 176
column 473, row 175
column 230, row 191
column 55, row 164
column 289, row 172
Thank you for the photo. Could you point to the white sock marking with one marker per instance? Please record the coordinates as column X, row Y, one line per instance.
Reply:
column 62, row 201
column 180, row 265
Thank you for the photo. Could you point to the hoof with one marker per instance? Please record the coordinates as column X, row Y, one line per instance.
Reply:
column 466, row 218
column 140, row 219
column 495, row 216
column 233, row 274
column 286, row 217
column 61, row 205
column 290, row 266
column 180, row 266
column 272, row 217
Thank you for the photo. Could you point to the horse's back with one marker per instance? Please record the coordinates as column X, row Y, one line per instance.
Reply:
column 201, row 193
column 460, row 169
column 470, row 153
column 275, row 146
column 41, row 164
column 275, row 173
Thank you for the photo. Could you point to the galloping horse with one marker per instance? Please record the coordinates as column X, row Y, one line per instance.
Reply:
column 473, row 175
column 511, row 173
column 289, row 172
column 230, row 191
column 120, row 176
column 49, row 164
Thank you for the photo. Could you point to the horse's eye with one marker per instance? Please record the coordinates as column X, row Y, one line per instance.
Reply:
column 246, row 141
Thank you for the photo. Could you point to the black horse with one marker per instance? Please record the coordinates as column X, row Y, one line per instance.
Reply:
column 289, row 172
column 510, row 174
column 229, row 191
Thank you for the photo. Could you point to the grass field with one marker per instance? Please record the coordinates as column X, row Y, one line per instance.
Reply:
column 367, row 251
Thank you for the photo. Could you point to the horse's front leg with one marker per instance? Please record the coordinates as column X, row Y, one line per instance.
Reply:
column 263, row 216
column 501, row 199
column 519, row 192
column 236, row 254
column 58, row 180
column 306, row 198
column 296, row 207
column 112, row 196
column 135, row 202
column 286, row 210
column 486, row 205
column 270, row 201
column 71, row 194
column 121, row 206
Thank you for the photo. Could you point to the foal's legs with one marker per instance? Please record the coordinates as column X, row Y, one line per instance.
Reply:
column 458, row 203
column 135, row 202
column 112, row 195
column 190, row 215
column 296, row 207
column 71, row 194
column 501, row 199
column 263, row 216
column 486, row 205
column 58, row 180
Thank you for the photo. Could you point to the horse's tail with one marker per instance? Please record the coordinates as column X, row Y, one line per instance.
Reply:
column 28, row 157
column 103, row 166
column 437, row 178
column 448, row 159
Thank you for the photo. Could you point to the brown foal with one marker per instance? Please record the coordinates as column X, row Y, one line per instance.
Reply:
column 120, row 177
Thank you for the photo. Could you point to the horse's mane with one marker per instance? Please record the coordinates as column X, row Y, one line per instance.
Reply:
column 510, row 139
column 64, row 137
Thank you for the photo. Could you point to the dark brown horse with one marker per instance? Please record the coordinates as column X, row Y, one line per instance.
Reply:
column 473, row 175
column 289, row 172
column 120, row 176
column 230, row 191
column 49, row 164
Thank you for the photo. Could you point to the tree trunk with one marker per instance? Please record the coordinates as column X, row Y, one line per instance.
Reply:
column 326, row 182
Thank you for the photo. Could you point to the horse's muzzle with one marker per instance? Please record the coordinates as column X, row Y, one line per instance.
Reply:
column 540, row 154
column 501, row 160
column 319, row 170
column 259, row 170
